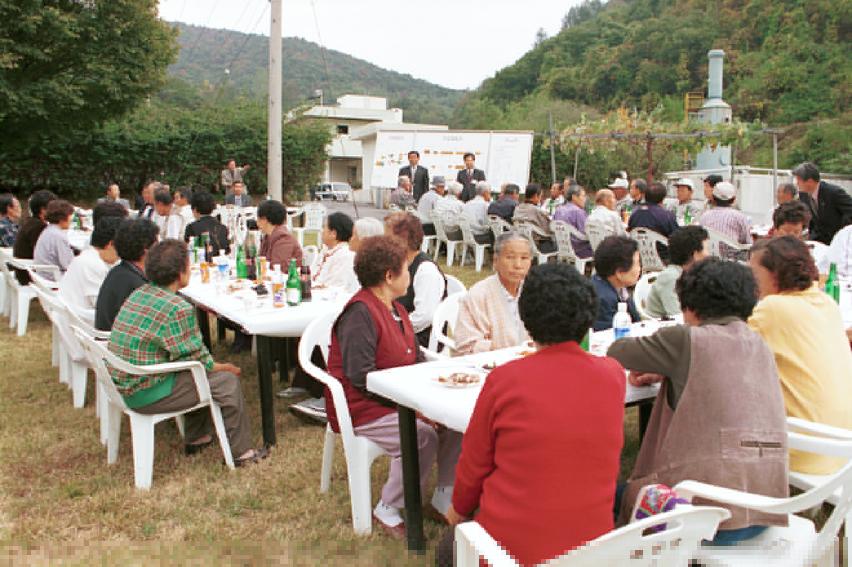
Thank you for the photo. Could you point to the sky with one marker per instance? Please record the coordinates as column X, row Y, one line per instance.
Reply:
column 454, row 43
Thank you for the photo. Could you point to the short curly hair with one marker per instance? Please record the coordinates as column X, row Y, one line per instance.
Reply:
column 615, row 254
column 685, row 242
column 273, row 211
column 407, row 227
column 377, row 256
column 717, row 288
column 557, row 304
column 134, row 237
column 789, row 260
column 794, row 212
column 166, row 261
column 58, row 210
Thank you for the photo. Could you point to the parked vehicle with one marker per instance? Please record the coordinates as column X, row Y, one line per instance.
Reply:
column 334, row 191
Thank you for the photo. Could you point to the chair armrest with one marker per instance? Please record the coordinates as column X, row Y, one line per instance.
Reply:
column 472, row 542
column 100, row 335
column 820, row 445
column 689, row 489
column 804, row 426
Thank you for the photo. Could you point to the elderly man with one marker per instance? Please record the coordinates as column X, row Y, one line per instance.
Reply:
column 156, row 325
column 238, row 197
column 427, row 204
column 786, row 192
column 10, row 216
column 725, row 219
column 604, row 215
column 402, row 196
column 113, row 194
column 830, row 205
column 555, row 199
column 504, row 207
column 488, row 315
column 530, row 212
column 476, row 212
column 651, row 215
column 451, row 204
column 86, row 273
column 145, row 200
column 232, row 174
column 573, row 212
column 168, row 217
column 183, row 198
column 619, row 188
column 685, row 209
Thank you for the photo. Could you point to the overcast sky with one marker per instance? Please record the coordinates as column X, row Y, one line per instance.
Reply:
column 454, row 43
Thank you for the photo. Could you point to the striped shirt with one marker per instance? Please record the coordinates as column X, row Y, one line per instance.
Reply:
column 729, row 222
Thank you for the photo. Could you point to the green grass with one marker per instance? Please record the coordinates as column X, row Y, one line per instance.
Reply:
column 61, row 504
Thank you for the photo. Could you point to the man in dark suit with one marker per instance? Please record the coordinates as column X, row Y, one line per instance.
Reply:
column 239, row 197
column 202, row 207
column 418, row 175
column 469, row 176
column 830, row 205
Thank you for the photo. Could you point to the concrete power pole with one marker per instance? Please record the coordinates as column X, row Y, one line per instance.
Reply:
column 273, row 159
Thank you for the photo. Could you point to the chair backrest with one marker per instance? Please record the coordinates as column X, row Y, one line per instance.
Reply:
column 562, row 235
column 438, row 220
column 596, row 231
column 466, row 230
column 314, row 216
column 58, row 314
column 446, row 314
column 96, row 352
column 498, row 225
column 42, row 282
column 454, row 285
column 818, row 251
column 526, row 230
column 647, row 240
column 310, row 255
column 641, row 292
column 724, row 246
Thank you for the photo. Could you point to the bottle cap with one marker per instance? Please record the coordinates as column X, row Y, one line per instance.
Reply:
column 622, row 307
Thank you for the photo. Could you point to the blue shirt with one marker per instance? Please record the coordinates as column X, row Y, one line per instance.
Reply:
column 655, row 218
column 608, row 300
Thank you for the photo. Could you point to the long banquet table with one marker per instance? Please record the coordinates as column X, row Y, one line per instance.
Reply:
column 256, row 316
column 416, row 390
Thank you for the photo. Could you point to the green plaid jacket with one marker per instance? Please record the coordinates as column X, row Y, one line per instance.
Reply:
column 154, row 326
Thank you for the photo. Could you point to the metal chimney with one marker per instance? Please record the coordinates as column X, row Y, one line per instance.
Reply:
column 714, row 85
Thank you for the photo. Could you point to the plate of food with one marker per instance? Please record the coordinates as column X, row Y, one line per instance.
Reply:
column 460, row 379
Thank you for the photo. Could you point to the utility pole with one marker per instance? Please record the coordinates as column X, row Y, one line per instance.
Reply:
column 273, row 158
column 552, row 146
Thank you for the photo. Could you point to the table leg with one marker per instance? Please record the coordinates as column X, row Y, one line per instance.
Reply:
column 411, row 480
column 220, row 330
column 645, row 409
column 204, row 326
column 267, row 395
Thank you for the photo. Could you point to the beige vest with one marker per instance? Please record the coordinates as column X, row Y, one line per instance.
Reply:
column 729, row 428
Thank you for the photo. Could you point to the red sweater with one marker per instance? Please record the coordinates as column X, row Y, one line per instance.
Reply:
column 540, row 456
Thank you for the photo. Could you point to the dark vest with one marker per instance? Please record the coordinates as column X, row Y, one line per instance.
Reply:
column 394, row 347
column 407, row 300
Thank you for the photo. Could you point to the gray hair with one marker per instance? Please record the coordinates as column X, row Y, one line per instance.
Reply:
column 455, row 188
column 402, row 180
column 369, row 226
column 509, row 236
column 573, row 191
column 482, row 187
column 789, row 188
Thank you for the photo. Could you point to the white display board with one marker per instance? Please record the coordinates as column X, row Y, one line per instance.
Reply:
column 503, row 156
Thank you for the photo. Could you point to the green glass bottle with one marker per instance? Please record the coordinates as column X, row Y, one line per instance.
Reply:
column 294, row 285
column 687, row 218
column 832, row 285
column 584, row 344
column 242, row 270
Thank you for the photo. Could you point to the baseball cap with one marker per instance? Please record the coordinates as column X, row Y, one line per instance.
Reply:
column 724, row 190
column 619, row 183
column 686, row 182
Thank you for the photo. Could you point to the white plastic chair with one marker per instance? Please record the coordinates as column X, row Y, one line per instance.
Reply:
column 498, row 226
column 818, row 251
column 562, row 232
column 314, row 219
column 441, row 222
column 454, row 285
column 359, row 451
column 641, row 293
column 734, row 250
column 310, row 256
column 596, row 231
column 21, row 296
column 798, row 544
column 468, row 242
column 529, row 231
column 141, row 425
column 50, row 288
column 686, row 527
column 446, row 313
column 5, row 256
column 648, row 239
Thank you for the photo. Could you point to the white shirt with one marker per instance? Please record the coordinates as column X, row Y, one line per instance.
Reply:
column 428, row 291
column 476, row 210
column 427, row 203
column 512, row 308
column 610, row 220
column 450, row 205
column 839, row 253
column 82, row 282
column 172, row 226
column 336, row 268
column 188, row 217
column 549, row 205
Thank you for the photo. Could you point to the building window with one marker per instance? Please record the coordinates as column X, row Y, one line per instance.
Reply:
column 342, row 128
column 352, row 173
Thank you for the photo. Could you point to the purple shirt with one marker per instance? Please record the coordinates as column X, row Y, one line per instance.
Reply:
column 576, row 217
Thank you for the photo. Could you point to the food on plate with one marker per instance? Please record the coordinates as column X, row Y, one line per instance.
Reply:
column 460, row 379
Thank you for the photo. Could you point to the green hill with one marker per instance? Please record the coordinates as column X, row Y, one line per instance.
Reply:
column 205, row 55
column 787, row 64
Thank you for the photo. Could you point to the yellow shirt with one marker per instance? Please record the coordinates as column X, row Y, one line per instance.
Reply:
column 805, row 331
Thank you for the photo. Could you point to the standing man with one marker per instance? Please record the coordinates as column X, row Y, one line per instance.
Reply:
column 232, row 174
column 418, row 175
column 469, row 176
column 10, row 216
column 238, row 198
column 830, row 205
column 113, row 193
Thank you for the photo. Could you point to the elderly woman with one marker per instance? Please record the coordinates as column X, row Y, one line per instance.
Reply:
column 617, row 267
column 373, row 333
column 365, row 228
column 488, row 315
column 428, row 285
column 719, row 416
column 335, row 268
column 804, row 329
column 52, row 247
column 540, row 494
column 573, row 212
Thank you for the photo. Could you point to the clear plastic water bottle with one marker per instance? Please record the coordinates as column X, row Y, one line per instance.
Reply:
column 621, row 321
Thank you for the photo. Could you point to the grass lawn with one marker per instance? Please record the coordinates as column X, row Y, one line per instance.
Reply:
column 61, row 504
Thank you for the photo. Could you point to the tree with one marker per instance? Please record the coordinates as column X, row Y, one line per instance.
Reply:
column 67, row 66
column 540, row 37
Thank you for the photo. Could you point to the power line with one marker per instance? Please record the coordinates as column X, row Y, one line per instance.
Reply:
column 322, row 51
